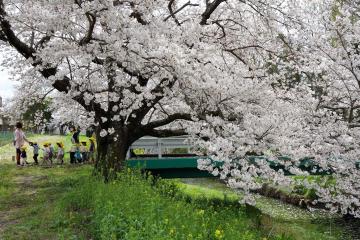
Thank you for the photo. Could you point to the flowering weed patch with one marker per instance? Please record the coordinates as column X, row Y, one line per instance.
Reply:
column 135, row 208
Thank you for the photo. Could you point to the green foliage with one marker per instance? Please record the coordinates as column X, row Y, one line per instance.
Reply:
column 38, row 114
column 179, row 151
column 133, row 207
column 323, row 181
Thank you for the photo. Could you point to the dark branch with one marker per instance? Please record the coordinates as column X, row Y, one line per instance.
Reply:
column 159, row 92
column 11, row 38
column 92, row 21
column 138, row 16
column 43, row 41
column 133, row 73
column 165, row 132
column 210, row 8
column 169, row 119
column 172, row 13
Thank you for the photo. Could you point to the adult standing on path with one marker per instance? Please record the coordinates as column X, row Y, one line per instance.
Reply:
column 75, row 136
column 19, row 141
column 75, row 141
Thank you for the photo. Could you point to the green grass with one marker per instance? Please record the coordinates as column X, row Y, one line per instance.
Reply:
column 132, row 208
column 66, row 202
column 276, row 216
column 28, row 197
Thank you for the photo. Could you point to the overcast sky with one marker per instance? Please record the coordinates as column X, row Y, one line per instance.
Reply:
column 6, row 86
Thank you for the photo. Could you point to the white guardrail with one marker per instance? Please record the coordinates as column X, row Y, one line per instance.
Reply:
column 159, row 144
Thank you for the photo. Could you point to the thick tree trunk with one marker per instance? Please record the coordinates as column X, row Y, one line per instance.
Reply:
column 111, row 152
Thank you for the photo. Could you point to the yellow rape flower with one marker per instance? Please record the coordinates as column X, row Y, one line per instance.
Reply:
column 201, row 212
column 219, row 234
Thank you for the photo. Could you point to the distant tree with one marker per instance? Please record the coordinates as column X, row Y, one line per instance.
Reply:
column 38, row 115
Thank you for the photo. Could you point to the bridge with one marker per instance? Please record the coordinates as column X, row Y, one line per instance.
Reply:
column 157, row 159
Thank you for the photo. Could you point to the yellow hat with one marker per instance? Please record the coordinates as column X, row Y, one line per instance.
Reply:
column 61, row 144
column 23, row 148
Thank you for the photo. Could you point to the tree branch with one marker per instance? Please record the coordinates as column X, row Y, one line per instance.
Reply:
column 169, row 119
column 165, row 132
column 92, row 21
column 62, row 85
column 210, row 8
column 172, row 13
column 159, row 92
column 11, row 38
column 142, row 80
column 138, row 16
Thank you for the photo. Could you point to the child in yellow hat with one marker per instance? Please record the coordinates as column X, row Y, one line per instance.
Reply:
column 46, row 154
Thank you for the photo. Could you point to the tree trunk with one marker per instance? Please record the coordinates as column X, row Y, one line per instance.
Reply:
column 111, row 152
column 62, row 129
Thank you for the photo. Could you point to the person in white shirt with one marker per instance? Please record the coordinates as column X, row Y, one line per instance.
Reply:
column 19, row 141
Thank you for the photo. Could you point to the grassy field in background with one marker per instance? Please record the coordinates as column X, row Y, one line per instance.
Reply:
column 7, row 150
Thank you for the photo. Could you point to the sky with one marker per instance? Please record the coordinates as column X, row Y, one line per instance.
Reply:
column 6, row 85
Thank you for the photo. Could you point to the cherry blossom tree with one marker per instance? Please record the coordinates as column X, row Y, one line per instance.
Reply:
column 167, row 68
column 137, row 66
column 323, row 54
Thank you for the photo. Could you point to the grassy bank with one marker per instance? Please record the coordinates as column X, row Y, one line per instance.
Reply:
column 67, row 203
column 274, row 216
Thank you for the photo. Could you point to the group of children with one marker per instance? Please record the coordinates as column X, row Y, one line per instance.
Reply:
column 79, row 153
